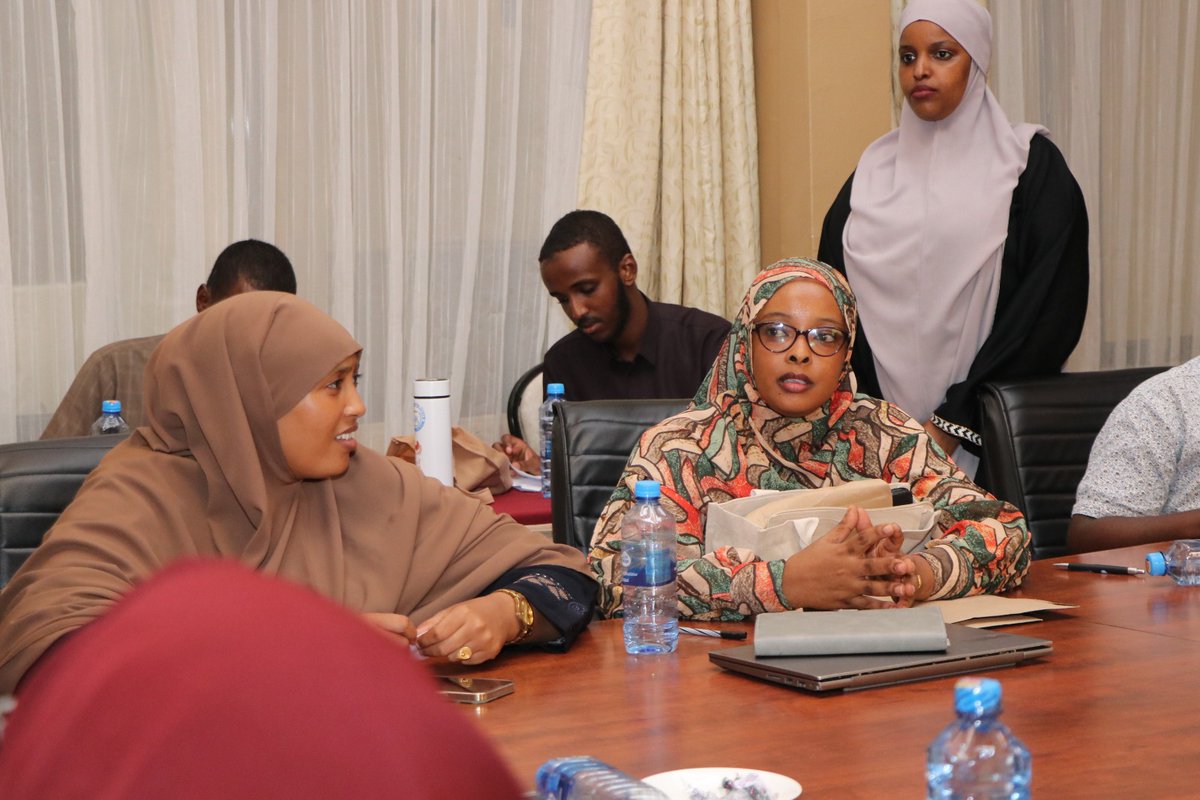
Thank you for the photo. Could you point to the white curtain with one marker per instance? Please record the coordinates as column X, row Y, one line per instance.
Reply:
column 1117, row 84
column 408, row 157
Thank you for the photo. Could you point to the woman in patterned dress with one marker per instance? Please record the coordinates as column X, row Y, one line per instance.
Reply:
column 779, row 410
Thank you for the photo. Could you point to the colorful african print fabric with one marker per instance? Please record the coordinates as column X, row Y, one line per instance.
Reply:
column 729, row 442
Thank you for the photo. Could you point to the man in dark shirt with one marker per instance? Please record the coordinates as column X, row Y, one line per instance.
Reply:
column 625, row 346
column 114, row 372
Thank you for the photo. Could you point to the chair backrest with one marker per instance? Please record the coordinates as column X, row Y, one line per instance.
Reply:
column 37, row 481
column 1037, row 436
column 524, row 399
column 590, row 447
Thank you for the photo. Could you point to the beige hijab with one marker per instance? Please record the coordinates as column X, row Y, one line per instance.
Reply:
column 207, row 477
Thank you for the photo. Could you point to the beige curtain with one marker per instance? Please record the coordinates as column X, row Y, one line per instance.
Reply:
column 669, row 143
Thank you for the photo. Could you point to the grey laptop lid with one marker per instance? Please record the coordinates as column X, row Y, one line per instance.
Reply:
column 971, row 650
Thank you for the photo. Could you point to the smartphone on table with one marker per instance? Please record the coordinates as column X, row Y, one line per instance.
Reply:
column 462, row 689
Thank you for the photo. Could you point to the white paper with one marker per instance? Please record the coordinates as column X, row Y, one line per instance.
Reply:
column 983, row 606
column 524, row 482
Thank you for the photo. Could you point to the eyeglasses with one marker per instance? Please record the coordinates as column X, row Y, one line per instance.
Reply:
column 778, row 337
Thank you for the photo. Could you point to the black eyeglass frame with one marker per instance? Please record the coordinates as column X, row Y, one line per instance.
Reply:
column 807, row 333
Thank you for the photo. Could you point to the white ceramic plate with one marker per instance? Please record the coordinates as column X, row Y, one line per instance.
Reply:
column 678, row 784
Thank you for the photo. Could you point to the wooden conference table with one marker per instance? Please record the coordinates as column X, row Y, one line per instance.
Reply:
column 1114, row 711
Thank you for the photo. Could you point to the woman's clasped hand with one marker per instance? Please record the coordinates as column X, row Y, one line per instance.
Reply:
column 470, row 632
column 855, row 565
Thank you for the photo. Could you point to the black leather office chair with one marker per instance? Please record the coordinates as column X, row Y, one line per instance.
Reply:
column 521, row 395
column 589, row 449
column 37, row 481
column 1037, row 436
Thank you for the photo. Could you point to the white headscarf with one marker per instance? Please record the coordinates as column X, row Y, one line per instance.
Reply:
column 928, row 220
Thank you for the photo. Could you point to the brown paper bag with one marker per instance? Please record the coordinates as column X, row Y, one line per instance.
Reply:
column 479, row 469
column 777, row 524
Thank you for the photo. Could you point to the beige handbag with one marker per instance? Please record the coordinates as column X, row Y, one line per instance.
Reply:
column 480, row 470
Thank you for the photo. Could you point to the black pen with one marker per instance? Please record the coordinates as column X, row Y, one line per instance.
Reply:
column 1105, row 568
column 715, row 634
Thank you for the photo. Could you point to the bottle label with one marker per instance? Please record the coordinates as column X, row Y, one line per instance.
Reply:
column 657, row 568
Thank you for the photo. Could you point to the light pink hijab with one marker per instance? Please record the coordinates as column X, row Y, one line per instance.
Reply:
column 928, row 220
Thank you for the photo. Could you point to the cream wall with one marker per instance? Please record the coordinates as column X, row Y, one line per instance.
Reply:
column 822, row 70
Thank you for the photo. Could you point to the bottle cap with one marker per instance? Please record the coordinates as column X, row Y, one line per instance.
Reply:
column 647, row 490
column 553, row 389
column 552, row 774
column 977, row 696
column 431, row 388
column 1156, row 564
column 110, row 406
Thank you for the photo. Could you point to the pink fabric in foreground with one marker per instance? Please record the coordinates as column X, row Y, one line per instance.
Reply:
column 210, row 680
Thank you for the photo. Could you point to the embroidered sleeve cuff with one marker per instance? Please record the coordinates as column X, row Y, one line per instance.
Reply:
column 941, row 585
column 956, row 430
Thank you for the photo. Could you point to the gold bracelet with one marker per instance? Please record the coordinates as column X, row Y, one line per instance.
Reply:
column 524, row 614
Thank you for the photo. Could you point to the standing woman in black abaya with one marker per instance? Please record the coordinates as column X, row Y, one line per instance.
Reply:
column 963, row 236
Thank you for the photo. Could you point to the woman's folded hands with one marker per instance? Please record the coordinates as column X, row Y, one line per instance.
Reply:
column 853, row 566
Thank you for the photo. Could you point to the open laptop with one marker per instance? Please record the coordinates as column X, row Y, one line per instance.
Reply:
column 970, row 650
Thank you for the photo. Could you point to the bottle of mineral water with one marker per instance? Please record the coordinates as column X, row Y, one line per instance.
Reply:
column 110, row 419
column 585, row 778
column 1181, row 562
column 648, row 589
column 977, row 757
column 554, row 395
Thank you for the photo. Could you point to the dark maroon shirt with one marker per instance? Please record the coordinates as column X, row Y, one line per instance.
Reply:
column 675, row 354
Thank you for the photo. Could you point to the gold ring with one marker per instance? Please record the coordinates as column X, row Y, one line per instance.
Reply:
column 464, row 653
column 920, row 583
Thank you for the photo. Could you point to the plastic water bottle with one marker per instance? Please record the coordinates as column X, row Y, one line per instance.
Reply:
column 648, row 557
column 1181, row 562
column 110, row 419
column 585, row 778
column 554, row 395
column 977, row 756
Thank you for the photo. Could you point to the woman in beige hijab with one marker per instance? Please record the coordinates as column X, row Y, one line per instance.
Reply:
column 249, row 454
